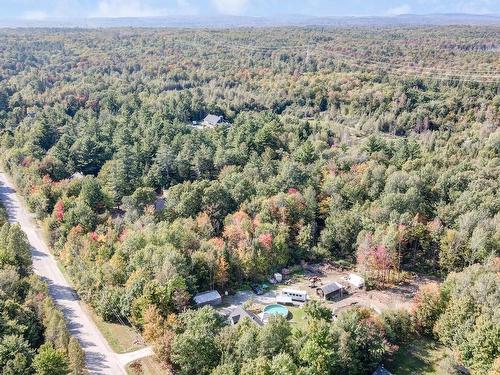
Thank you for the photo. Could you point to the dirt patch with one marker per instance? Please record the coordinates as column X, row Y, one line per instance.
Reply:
column 310, row 277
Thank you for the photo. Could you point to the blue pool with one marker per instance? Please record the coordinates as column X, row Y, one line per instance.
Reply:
column 276, row 309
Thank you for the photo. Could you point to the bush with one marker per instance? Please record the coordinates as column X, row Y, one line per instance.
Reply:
column 398, row 326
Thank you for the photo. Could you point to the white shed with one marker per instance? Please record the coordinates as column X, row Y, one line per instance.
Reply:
column 211, row 297
column 356, row 280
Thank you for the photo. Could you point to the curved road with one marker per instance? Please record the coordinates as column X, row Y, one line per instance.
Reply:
column 100, row 358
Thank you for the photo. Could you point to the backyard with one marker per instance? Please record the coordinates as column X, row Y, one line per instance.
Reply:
column 422, row 356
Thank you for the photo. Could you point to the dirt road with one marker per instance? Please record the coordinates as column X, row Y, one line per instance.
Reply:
column 101, row 359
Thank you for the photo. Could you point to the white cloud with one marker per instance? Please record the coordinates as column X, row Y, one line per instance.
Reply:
column 233, row 7
column 35, row 15
column 474, row 7
column 126, row 8
column 400, row 9
column 185, row 7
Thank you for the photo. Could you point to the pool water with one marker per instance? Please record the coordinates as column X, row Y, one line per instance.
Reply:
column 276, row 309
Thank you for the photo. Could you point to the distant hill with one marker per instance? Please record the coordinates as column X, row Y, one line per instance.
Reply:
column 239, row 21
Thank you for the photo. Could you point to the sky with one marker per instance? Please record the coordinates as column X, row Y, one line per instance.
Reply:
column 43, row 9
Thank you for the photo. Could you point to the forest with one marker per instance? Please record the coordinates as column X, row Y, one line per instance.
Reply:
column 376, row 149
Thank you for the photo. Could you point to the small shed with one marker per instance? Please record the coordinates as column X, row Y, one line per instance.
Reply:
column 278, row 277
column 211, row 297
column 356, row 280
column 330, row 291
column 240, row 313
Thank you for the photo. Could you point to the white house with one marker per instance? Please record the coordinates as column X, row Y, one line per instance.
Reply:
column 212, row 120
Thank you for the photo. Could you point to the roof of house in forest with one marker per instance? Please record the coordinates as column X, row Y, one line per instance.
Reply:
column 381, row 370
column 240, row 313
column 212, row 119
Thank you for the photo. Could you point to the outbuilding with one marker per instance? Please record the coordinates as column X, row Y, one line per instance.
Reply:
column 356, row 280
column 330, row 291
column 212, row 298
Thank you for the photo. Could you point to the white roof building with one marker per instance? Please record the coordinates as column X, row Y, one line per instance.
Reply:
column 211, row 297
column 356, row 280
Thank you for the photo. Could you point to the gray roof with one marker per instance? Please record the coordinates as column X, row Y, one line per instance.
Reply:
column 206, row 297
column 212, row 119
column 330, row 288
column 76, row 175
column 240, row 313
column 381, row 371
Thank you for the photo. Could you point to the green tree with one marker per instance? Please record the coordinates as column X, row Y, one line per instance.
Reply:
column 15, row 355
column 316, row 310
column 76, row 357
column 50, row 361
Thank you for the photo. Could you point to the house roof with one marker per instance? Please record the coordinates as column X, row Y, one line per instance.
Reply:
column 381, row 371
column 76, row 175
column 240, row 313
column 330, row 288
column 212, row 119
column 207, row 297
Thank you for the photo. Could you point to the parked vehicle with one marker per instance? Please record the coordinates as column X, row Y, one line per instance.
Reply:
column 257, row 289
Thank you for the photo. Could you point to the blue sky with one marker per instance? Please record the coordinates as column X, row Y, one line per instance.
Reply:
column 41, row 9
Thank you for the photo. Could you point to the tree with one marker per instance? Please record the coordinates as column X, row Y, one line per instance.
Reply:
column 194, row 350
column 283, row 364
column 14, row 248
column 76, row 357
column 257, row 366
column 468, row 321
column 15, row 355
column 50, row 361
column 398, row 326
column 225, row 369
column 92, row 194
column 275, row 336
column 315, row 310
column 222, row 272
column 427, row 306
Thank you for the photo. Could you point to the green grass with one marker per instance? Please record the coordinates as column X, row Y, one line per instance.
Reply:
column 146, row 366
column 422, row 356
column 121, row 338
column 297, row 317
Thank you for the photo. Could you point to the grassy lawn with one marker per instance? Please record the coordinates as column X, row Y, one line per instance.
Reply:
column 146, row 366
column 422, row 356
column 120, row 337
column 297, row 317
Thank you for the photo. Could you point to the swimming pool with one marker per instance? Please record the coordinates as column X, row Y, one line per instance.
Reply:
column 276, row 309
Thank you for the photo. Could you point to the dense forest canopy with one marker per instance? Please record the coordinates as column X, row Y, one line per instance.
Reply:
column 374, row 147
